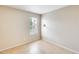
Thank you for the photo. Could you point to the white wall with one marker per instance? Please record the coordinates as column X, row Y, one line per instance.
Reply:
column 62, row 27
column 14, row 27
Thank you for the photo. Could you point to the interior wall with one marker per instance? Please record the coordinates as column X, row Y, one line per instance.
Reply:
column 14, row 27
column 62, row 27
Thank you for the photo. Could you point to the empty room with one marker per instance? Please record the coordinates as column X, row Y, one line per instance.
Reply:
column 39, row 29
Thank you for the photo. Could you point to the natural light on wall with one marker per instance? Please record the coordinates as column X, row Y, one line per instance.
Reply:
column 33, row 25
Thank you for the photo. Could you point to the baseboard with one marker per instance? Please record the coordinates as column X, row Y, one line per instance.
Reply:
column 17, row 45
column 10, row 47
column 62, row 46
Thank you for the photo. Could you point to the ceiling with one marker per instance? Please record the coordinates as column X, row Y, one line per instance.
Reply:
column 39, row 9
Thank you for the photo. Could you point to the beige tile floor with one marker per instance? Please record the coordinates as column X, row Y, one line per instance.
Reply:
column 37, row 47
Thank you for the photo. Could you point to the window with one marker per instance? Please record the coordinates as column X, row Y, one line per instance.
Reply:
column 33, row 25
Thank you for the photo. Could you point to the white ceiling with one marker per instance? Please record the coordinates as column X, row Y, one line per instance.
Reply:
column 39, row 9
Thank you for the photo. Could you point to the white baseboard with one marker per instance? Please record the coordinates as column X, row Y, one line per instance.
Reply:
column 62, row 46
column 10, row 47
